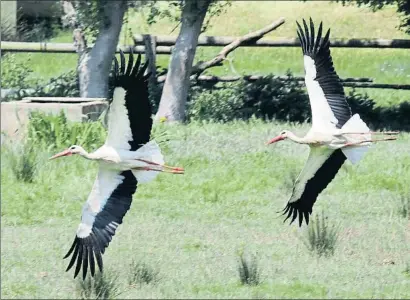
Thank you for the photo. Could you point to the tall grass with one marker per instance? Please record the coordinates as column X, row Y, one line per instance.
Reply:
column 54, row 132
column 141, row 273
column 404, row 206
column 248, row 270
column 321, row 236
column 102, row 286
column 22, row 159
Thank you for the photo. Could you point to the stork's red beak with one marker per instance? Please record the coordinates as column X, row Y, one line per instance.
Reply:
column 276, row 139
column 63, row 153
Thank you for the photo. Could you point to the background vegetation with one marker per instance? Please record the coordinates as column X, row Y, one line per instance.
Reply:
column 383, row 65
column 201, row 235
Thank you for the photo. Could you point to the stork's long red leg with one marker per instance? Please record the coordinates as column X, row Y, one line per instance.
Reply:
column 374, row 132
column 164, row 168
column 158, row 170
column 370, row 141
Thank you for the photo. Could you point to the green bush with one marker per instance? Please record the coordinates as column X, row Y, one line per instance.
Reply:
column 22, row 159
column 102, row 286
column 271, row 97
column 64, row 85
column 321, row 237
column 56, row 132
column 404, row 207
column 217, row 105
column 248, row 270
column 14, row 74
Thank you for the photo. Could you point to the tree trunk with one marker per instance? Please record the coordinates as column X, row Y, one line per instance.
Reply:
column 95, row 65
column 175, row 92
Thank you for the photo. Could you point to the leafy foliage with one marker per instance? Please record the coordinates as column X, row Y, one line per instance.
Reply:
column 173, row 9
column 90, row 16
column 56, row 132
column 321, row 238
column 248, row 269
column 217, row 104
column 29, row 30
column 14, row 73
column 392, row 117
column 272, row 97
column 22, row 159
column 269, row 97
column 64, row 85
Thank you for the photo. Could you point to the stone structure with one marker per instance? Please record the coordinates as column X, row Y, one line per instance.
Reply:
column 15, row 114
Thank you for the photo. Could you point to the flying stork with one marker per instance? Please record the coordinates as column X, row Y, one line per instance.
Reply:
column 127, row 157
column 335, row 134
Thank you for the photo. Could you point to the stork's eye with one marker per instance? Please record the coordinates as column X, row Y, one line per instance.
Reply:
column 72, row 148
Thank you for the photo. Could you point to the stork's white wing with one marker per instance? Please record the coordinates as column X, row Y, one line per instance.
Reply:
column 108, row 202
column 327, row 98
column 119, row 130
column 320, row 169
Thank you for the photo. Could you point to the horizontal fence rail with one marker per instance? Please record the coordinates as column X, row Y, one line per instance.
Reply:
column 211, row 78
column 211, row 41
column 68, row 48
column 347, row 82
column 164, row 45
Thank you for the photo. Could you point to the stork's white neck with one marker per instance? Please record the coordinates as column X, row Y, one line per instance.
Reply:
column 293, row 137
column 86, row 155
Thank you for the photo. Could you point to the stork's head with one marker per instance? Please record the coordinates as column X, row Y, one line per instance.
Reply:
column 74, row 149
column 282, row 136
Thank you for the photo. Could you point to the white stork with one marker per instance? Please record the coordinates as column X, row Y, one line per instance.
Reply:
column 335, row 134
column 127, row 157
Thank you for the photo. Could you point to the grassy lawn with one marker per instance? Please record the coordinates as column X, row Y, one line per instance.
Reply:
column 383, row 65
column 191, row 228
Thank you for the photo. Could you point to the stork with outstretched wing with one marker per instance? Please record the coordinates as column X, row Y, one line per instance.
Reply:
column 335, row 134
column 127, row 158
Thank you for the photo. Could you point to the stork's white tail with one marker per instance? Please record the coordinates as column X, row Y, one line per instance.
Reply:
column 356, row 125
column 152, row 152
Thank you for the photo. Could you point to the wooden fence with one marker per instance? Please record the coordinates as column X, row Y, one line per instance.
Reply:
column 164, row 45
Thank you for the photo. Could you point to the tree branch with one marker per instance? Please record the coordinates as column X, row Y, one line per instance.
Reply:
column 249, row 38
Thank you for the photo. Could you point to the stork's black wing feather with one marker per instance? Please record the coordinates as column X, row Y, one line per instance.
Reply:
column 85, row 249
column 302, row 207
column 319, row 50
column 133, row 80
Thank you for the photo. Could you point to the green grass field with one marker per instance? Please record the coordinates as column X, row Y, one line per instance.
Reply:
column 190, row 228
column 383, row 65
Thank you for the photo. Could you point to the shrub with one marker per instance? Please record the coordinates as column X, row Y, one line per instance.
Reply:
column 269, row 97
column 14, row 74
column 102, row 286
column 274, row 98
column 404, row 207
column 248, row 270
column 141, row 273
column 321, row 238
column 217, row 104
column 23, row 161
column 56, row 132
column 65, row 85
